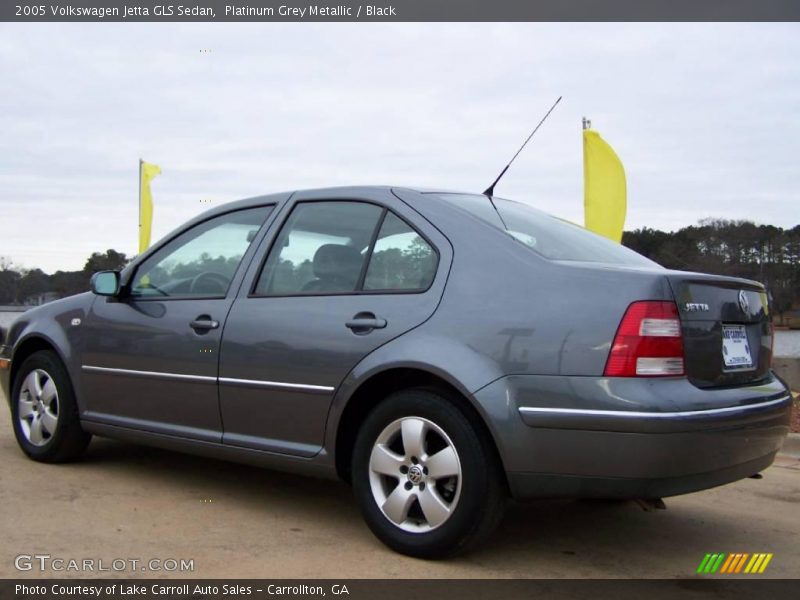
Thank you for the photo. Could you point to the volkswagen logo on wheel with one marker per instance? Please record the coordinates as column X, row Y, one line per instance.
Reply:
column 744, row 303
column 415, row 475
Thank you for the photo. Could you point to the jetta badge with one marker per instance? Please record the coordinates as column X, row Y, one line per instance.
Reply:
column 696, row 307
column 744, row 303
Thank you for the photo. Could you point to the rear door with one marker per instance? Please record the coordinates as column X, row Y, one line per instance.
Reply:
column 150, row 356
column 341, row 276
column 726, row 329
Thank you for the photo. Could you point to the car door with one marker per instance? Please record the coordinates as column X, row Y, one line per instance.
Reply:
column 150, row 355
column 343, row 276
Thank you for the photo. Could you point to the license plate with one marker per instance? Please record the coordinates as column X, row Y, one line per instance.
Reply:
column 735, row 348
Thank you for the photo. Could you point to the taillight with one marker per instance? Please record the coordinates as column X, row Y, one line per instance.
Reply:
column 648, row 343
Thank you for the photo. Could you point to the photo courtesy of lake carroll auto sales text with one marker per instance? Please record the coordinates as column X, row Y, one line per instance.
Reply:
column 458, row 299
column 175, row 590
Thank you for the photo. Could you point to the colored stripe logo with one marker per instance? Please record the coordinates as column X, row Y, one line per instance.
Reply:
column 737, row 562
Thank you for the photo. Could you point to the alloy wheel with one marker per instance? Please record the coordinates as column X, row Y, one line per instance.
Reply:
column 415, row 474
column 37, row 405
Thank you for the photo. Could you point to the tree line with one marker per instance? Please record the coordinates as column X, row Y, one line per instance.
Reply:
column 764, row 253
column 23, row 286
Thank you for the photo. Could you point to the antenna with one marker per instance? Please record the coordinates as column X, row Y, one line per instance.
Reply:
column 490, row 190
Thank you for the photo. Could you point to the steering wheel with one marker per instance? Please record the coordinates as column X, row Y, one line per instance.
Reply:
column 218, row 283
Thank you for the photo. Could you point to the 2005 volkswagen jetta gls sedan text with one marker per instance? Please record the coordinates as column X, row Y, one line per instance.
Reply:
column 441, row 351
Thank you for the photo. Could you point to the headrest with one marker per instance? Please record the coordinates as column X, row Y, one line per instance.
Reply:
column 334, row 260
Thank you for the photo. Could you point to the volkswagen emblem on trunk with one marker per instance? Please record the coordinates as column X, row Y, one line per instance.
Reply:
column 744, row 303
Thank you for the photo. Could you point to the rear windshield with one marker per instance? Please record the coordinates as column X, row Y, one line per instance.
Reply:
column 551, row 237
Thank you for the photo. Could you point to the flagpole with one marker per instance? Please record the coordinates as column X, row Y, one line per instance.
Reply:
column 139, row 236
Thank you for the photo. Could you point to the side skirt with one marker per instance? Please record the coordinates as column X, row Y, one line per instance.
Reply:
column 318, row 466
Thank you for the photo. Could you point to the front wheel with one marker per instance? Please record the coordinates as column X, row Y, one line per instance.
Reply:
column 44, row 411
column 427, row 479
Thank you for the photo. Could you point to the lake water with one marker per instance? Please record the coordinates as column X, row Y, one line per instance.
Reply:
column 787, row 343
column 7, row 317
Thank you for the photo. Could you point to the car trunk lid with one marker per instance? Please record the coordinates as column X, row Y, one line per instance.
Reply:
column 726, row 328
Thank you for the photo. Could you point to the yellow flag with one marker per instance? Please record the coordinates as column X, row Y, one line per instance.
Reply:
column 604, row 189
column 146, row 174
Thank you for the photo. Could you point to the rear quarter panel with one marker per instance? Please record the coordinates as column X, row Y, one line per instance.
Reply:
column 523, row 313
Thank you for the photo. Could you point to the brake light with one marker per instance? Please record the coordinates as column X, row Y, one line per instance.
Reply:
column 649, row 342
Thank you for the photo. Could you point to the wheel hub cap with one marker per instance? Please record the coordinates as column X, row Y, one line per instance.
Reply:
column 415, row 475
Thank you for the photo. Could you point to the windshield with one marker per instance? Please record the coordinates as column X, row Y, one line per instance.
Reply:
column 551, row 237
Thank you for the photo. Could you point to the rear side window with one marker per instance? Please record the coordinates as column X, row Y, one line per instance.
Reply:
column 551, row 237
column 344, row 247
column 401, row 259
column 320, row 249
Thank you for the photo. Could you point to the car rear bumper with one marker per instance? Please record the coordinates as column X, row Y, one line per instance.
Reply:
column 605, row 437
column 5, row 369
column 548, row 485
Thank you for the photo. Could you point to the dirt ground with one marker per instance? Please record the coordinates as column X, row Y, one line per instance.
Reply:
column 128, row 502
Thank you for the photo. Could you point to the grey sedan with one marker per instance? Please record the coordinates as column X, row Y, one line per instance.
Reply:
column 441, row 351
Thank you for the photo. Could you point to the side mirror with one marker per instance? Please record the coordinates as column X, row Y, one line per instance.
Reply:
column 105, row 283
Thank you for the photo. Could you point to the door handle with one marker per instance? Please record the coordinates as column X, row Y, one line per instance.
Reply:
column 364, row 322
column 204, row 323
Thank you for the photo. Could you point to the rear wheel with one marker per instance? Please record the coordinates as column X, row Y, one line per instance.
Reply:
column 427, row 479
column 44, row 411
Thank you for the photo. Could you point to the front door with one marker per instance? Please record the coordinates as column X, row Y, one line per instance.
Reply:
column 343, row 276
column 151, row 355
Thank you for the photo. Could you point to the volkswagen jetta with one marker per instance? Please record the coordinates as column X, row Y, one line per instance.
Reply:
column 441, row 351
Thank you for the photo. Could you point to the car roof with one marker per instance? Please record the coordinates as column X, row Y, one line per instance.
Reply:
column 277, row 197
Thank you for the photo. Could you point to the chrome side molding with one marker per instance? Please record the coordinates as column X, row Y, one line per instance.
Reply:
column 276, row 385
column 531, row 410
column 149, row 374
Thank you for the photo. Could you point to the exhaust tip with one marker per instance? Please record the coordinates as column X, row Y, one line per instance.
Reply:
column 650, row 504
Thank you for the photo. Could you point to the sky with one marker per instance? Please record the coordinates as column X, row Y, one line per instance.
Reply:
column 705, row 117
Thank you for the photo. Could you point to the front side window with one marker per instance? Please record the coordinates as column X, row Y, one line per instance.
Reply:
column 401, row 259
column 202, row 261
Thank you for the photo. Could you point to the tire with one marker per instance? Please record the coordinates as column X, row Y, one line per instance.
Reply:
column 427, row 513
column 42, row 392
